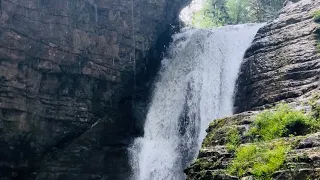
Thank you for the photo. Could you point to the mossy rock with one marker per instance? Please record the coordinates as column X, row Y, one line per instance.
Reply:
column 219, row 129
column 316, row 16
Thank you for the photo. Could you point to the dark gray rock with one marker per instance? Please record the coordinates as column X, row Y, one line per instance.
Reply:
column 283, row 62
column 302, row 161
column 67, row 83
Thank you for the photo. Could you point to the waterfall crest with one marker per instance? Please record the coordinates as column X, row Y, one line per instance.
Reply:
column 194, row 87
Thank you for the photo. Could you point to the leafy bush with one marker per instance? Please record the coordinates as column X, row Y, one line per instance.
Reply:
column 318, row 47
column 215, row 13
column 315, row 106
column 282, row 122
column 316, row 16
column 260, row 160
column 233, row 139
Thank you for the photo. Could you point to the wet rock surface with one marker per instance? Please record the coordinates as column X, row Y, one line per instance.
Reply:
column 302, row 161
column 67, row 83
column 283, row 62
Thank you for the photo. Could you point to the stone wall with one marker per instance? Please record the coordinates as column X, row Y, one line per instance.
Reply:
column 67, row 83
column 283, row 62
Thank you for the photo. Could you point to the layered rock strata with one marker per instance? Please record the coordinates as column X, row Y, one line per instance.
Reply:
column 283, row 62
column 282, row 65
column 67, row 83
column 302, row 161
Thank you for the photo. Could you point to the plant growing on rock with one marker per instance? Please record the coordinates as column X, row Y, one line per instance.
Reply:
column 282, row 122
column 233, row 139
column 315, row 106
column 316, row 16
column 260, row 159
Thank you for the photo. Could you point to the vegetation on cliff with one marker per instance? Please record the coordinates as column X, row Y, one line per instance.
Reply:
column 224, row 12
column 259, row 159
column 267, row 152
column 278, row 143
column 284, row 121
column 316, row 17
column 233, row 139
column 315, row 106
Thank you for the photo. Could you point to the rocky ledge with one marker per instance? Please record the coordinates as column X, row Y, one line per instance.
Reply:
column 245, row 147
column 281, row 66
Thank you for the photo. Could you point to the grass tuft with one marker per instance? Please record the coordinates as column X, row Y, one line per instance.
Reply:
column 284, row 121
column 260, row 159
column 315, row 106
column 316, row 16
column 233, row 139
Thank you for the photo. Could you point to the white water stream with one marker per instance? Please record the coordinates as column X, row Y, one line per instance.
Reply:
column 194, row 87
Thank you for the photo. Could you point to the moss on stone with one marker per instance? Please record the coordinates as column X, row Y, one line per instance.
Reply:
column 272, row 134
column 214, row 127
column 282, row 122
column 315, row 105
column 204, row 164
column 233, row 139
column 218, row 130
column 259, row 159
column 316, row 16
column 268, row 154
column 318, row 47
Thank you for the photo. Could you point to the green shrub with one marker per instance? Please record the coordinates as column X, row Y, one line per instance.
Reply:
column 315, row 107
column 233, row 139
column 316, row 16
column 282, row 122
column 260, row 160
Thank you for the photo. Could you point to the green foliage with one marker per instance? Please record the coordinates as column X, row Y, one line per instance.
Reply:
column 217, row 13
column 282, row 122
column 316, row 15
column 203, row 164
column 212, row 135
column 318, row 47
column 233, row 139
column 212, row 14
column 209, row 138
column 315, row 106
column 260, row 160
column 238, row 11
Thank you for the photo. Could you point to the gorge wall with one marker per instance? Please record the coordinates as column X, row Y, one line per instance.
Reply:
column 68, row 83
column 282, row 64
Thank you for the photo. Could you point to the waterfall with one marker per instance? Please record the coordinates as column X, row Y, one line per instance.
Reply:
column 195, row 86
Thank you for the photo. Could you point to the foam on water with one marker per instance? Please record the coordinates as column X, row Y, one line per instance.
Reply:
column 195, row 86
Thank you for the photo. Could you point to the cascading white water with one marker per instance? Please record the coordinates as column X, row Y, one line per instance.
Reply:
column 195, row 86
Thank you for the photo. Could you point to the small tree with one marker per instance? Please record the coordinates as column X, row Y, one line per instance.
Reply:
column 226, row 12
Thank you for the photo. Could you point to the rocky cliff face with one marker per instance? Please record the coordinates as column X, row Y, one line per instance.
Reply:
column 67, row 73
column 302, row 162
column 283, row 62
